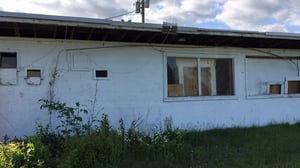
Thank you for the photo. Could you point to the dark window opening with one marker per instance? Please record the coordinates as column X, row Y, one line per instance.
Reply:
column 224, row 77
column 8, row 60
column 101, row 73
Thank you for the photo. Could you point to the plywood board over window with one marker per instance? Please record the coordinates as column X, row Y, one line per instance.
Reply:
column 213, row 76
column 205, row 81
column 190, row 81
column 182, row 77
column 293, row 87
column 275, row 89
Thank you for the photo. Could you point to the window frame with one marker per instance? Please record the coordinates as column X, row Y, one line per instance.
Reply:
column 286, row 88
column 17, row 58
column 11, row 79
column 284, row 84
column 34, row 69
column 199, row 56
column 282, row 88
column 101, row 69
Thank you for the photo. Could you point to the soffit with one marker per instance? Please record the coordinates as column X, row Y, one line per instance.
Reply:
column 70, row 28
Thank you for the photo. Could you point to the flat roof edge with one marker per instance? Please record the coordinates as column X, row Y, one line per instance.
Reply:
column 11, row 16
column 109, row 24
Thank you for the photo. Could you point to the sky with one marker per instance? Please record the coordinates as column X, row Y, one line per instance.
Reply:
column 250, row 15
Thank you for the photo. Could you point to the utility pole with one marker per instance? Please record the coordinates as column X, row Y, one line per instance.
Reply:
column 140, row 6
column 143, row 11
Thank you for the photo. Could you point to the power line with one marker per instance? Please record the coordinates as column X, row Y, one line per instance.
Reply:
column 121, row 15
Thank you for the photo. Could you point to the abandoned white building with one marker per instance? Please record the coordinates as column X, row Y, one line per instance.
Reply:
column 202, row 78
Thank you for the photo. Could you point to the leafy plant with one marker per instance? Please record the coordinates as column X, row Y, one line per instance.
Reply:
column 48, row 143
column 70, row 118
column 19, row 154
column 104, row 148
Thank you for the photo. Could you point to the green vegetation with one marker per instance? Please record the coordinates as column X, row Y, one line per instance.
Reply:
column 83, row 144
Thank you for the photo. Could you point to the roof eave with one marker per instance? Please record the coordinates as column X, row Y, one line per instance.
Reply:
column 151, row 32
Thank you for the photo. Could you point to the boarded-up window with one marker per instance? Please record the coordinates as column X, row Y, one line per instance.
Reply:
column 275, row 89
column 182, row 77
column 8, row 60
column 293, row 87
column 216, row 77
column 206, row 81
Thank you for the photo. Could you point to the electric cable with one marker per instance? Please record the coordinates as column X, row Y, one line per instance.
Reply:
column 112, row 17
column 280, row 57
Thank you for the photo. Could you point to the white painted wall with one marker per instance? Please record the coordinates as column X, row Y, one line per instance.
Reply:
column 136, row 84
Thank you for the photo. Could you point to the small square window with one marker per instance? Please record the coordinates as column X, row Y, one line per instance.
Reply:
column 8, row 60
column 101, row 74
column 293, row 87
column 275, row 89
column 33, row 76
column 33, row 73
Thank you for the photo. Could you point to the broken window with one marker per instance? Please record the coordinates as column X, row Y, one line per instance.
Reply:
column 215, row 79
column 182, row 77
column 293, row 87
column 8, row 60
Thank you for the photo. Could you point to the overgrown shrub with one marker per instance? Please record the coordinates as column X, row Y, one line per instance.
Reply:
column 165, row 146
column 49, row 143
column 70, row 118
column 20, row 154
column 94, row 143
column 104, row 148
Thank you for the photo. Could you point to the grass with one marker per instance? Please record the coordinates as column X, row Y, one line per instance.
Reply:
column 77, row 144
column 271, row 146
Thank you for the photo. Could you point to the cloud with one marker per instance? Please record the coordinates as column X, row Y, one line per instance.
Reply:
column 183, row 12
column 262, row 15
column 80, row 8
column 83, row 8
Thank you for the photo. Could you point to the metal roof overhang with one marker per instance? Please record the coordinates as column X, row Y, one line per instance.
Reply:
column 74, row 28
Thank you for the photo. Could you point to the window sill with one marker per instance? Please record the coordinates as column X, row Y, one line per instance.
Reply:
column 199, row 98
column 273, row 96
